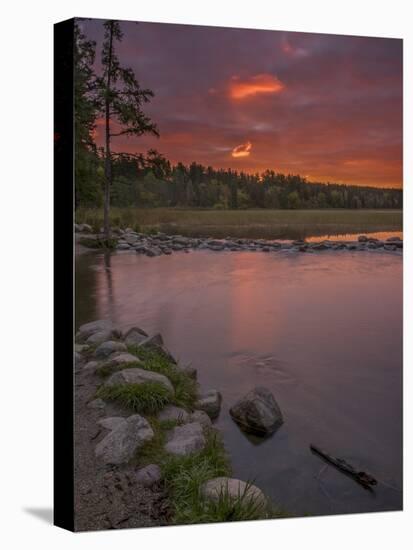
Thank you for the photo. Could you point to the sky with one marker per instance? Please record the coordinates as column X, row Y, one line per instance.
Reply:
column 327, row 107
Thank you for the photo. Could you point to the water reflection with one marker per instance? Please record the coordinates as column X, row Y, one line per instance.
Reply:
column 323, row 332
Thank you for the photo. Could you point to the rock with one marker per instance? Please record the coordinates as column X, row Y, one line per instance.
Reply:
column 80, row 348
column 122, row 358
column 235, row 488
column 138, row 376
column 393, row 239
column 188, row 370
column 257, row 412
column 78, row 358
column 202, row 418
column 155, row 343
column 209, row 402
column 149, row 475
column 185, row 440
column 122, row 246
column 121, row 443
column 170, row 412
column 91, row 366
column 362, row 239
column 84, row 228
column 106, row 348
column 153, row 251
column 135, row 336
column 99, row 337
column 131, row 238
column 320, row 246
column 96, row 404
column 111, row 422
column 88, row 329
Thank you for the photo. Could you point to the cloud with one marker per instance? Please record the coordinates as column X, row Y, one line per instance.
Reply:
column 291, row 50
column 258, row 84
column 242, row 150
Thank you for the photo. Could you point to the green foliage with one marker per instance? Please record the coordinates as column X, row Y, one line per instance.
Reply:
column 99, row 243
column 145, row 398
column 155, row 361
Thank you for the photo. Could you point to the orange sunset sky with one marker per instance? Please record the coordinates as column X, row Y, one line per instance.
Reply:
column 326, row 107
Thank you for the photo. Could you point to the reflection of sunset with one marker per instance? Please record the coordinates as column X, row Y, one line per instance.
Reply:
column 259, row 84
column 243, row 150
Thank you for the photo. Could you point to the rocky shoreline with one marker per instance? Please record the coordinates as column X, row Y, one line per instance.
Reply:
column 159, row 243
column 141, row 421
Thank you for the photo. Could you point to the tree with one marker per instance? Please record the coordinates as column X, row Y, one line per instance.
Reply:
column 121, row 100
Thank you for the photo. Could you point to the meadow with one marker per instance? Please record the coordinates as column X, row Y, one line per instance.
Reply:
column 259, row 223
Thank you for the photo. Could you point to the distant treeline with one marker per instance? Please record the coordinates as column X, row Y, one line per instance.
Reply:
column 151, row 181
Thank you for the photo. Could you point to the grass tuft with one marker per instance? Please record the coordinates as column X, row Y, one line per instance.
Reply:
column 145, row 398
column 185, row 386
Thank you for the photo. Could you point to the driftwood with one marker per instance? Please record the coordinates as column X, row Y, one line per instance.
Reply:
column 366, row 480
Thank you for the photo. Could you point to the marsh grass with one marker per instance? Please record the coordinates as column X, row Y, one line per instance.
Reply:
column 145, row 398
column 258, row 223
column 99, row 243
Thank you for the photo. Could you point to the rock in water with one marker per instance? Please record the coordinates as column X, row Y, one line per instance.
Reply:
column 88, row 329
column 138, row 376
column 209, row 402
column 215, row 488
column 119, row 446
column 257, row 412
column 135, row 336
column 186, row 439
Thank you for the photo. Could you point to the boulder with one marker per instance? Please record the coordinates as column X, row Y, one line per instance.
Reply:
column 123, row 246
column 185, row 440
column 170, row 412
column 78, row 358
column 202, row 418
column 119, row 446
column 135, row 336
column 393, row 239
column 107, row 348
column 91, row 366
column 257, row 412
column 111, row 422
column 121, row 358
column 362, row 238
column 80, row 348
column 149, row 475
column 209, row 402
column 99, row 337
column 88, row 329
column 138, row 376
column 188, row 370
column 215, row 488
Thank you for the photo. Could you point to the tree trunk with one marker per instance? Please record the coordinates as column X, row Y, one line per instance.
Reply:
column 108, row 158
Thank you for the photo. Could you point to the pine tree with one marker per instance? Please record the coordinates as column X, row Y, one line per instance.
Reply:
column 121, row 102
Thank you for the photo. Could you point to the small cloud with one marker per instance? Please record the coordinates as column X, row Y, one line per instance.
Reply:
column 242, row 150
column 291, row 50
column 258, row 84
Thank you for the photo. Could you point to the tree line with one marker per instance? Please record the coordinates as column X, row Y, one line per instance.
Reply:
column 104, row 177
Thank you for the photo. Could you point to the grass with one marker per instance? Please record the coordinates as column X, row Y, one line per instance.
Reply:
column 261, row 223
column 98, row 243
column 145, row 398
column 185, row 387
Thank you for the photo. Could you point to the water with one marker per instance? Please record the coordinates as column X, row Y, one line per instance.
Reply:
column 323, row 332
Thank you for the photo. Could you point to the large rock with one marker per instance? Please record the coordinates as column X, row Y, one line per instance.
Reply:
column 217, row 487
column 88, row 329
column 135, row 336
column 107, row 348
column 111, row 422
column 170, row 412
column 257, row 412
column 119, row 446
column 149, row 475
column 99, row 337
column 209, row 402
column 121, row 359
column 138, row 376
column 185, row 440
